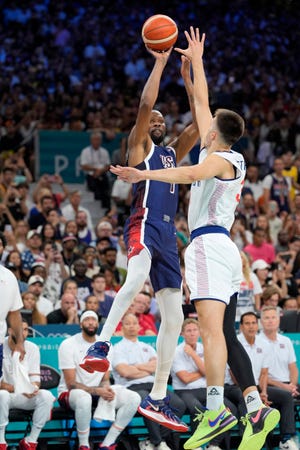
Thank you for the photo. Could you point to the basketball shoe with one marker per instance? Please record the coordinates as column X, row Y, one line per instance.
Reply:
column 160, row 411
column 96, row 358
column 3, row 446
column 110, row 447
column 211, row 424
column 258, row 424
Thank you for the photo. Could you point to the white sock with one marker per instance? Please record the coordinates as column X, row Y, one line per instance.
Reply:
column 253, row 401
column 83, row 438
column 214, row 397
column 34, row 434
column 2, row 435
column 111, row 436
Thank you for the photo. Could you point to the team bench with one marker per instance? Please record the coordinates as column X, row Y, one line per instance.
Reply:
column 61, row 429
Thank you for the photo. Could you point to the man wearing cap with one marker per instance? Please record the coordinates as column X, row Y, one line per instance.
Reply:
column 33, row 252
column 69, row 243
column 79, row 389
column 35, row 286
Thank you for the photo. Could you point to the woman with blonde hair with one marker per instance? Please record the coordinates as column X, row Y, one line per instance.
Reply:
column 250, row 290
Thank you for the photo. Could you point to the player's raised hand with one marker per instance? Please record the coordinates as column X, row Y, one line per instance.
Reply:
column 195, row 44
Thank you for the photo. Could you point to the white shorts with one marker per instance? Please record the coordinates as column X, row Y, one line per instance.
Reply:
column 213, row 267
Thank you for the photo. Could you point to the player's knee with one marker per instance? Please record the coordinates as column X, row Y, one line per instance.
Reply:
column 4, row 397
column 81, row 399
column 46, row 397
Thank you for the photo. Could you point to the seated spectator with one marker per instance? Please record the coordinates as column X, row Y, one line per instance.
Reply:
column 260, row 248
column 111, row 284
column 134, row 364
column 189, row 382
column 67, row 313
column 271, row 297
column 104, row 300
column 14, row 259
column 30, row 301
column 34, row 398
column 84, row 283
column 56, row 272
column 122, row 259
column 110, row 261
column 79, row 390
column 47, row 181
column 289, row 304
column 90, row 256
column 36, row 285
column 85, row 234
column 92, row 304
column 39, row 218
column 70, row 286
column 260, row 354
column 249, row 297
column 69, row 251
column 20, row 236
column 140, row 308
column 70, row 210
column 275, row 222
column 105, row 229
column 33, row 252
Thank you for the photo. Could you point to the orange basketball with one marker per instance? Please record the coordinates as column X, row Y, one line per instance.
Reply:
column 159, row 32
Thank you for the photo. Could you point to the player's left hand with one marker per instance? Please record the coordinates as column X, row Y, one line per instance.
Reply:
column 129, row 174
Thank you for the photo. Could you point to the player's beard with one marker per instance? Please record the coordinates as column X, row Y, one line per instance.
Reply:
column 89, row 331
column 157, row 139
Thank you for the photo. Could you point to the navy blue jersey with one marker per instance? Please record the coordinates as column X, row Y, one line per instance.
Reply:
column 159, row 197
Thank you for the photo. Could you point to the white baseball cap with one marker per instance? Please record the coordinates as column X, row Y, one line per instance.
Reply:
column 260, row 264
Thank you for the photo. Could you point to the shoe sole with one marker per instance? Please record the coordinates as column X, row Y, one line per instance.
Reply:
column 192, row 444
column 95, row 365
column 256, row 441
column 159, row 418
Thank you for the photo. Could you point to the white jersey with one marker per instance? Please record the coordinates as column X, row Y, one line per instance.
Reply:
column 70, row 354
column 11, row 298
column 31, row 362
column 213, row 201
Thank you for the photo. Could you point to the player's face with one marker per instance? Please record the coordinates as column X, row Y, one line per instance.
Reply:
column 157, row 127
column 90, row 326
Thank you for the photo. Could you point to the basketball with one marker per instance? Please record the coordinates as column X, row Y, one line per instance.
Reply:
column 159, row 32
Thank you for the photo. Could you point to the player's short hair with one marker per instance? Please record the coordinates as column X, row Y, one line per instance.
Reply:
column 246, row 314
column 230, row 125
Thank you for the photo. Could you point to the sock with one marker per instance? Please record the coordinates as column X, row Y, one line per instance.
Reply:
column 214, row 397
column 83, row 438
column 253, row 401
column 111, row 436
column 34, row 434
column 2, row 435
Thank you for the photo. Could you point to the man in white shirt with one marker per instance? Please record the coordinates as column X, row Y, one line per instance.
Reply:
column 95, row 162
column 40, row 400
column 134, row 363
column 262, row 356
column 79, row 389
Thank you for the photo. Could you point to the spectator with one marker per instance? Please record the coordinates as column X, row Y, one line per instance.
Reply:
column 110, row 260
column 90, row 256
column 34, row 398
column 111, row 284
column 249, row 298
column 85, row 234
column 140, row 308
column 47, row 181
column 271, row 297
column 67, row 313
column 78, row 390
column 104, row 300
column 33, row 252
column 121, row 261
column 253, row 184
column 261, row 356
column 289, row 304
column 105, row 229
column 30, row 302
column 260, row 249
column 248, row 211
column 277, row 187
column 121, row 196
column 35, row 286
column 20, row 235
column 275, row 222
column 70, row 210
column 56, row 272
column 69, row 243
column 84, row 283
column 40, row 218
column 134, row 364
column 188, row 378
column 95, row 162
